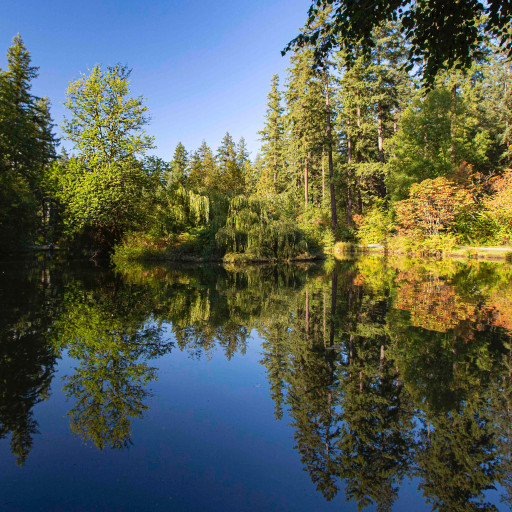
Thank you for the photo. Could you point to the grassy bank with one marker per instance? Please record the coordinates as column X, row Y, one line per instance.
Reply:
column 341, row 249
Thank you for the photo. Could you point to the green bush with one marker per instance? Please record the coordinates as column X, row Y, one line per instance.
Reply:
column 376, row 227
column 195, row 244
column 435, row 245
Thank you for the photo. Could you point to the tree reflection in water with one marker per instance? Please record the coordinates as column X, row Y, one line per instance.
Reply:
column 107, row 332
column 385, row 371
column 27, row 303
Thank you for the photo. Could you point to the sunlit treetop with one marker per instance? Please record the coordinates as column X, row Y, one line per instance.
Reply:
column 442, row 34
column 106, row 123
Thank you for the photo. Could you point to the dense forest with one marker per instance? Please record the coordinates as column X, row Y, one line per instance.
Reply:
column 357, row 147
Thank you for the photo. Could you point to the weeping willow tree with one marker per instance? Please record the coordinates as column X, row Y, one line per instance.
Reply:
column 178, row 210
column 255, row 227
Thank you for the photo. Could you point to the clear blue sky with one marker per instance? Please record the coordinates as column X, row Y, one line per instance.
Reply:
column 203, row 67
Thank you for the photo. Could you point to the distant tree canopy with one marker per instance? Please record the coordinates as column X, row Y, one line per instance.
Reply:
column 442, row 34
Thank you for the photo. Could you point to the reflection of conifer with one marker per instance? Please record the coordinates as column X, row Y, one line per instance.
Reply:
column 312, row 399
column 274, row 358
column 376, row 439
column 456, row 460
column 26, row 360
column 499, row 398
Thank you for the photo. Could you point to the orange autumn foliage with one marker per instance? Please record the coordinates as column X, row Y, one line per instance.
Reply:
column 432, row 207
column 499, row 205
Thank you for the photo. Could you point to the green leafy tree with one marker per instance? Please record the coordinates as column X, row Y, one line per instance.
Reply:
column 106, row 124
column 494, row 103
column 101, row 188
column 255, row 226
column 437, row 134
column 425, row 24
column 103, row 203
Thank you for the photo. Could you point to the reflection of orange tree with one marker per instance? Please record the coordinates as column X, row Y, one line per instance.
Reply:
column 499, row 306
column 455, row 297
column 432, row 302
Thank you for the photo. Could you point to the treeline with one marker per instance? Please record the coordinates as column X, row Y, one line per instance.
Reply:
column 358, row 152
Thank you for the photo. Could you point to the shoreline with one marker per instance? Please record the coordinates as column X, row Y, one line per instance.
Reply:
column 459, row 252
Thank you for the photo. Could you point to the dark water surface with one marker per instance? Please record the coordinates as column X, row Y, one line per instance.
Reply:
column 381, row 385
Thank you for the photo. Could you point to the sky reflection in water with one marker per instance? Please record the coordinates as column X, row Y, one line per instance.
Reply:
column 265, row 388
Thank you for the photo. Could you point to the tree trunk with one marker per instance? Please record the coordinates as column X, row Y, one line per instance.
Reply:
column 507, row 121
column 380, row 136
column 334, row 291
column 358, row 160
column 323, row 175
column 306, row 184
column 325, row 319
column 358, row 152
column 334, row 218
column 381, row 186
column 307, row 315
column 349, row 174
column 453, row 122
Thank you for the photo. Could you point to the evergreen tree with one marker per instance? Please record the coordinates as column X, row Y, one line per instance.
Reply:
column 27, row 146
column 244, row 164
column 18, row 130
column 306, row 120
column 179, row 165
column 231, row 177
column 204, row 174
column 371, row 95
column 273, row 139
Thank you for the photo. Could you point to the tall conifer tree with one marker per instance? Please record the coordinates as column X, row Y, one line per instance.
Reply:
column 272, row 137
column 179, row 165
column 230, row 174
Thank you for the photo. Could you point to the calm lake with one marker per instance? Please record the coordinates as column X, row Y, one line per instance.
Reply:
column 384, row 385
